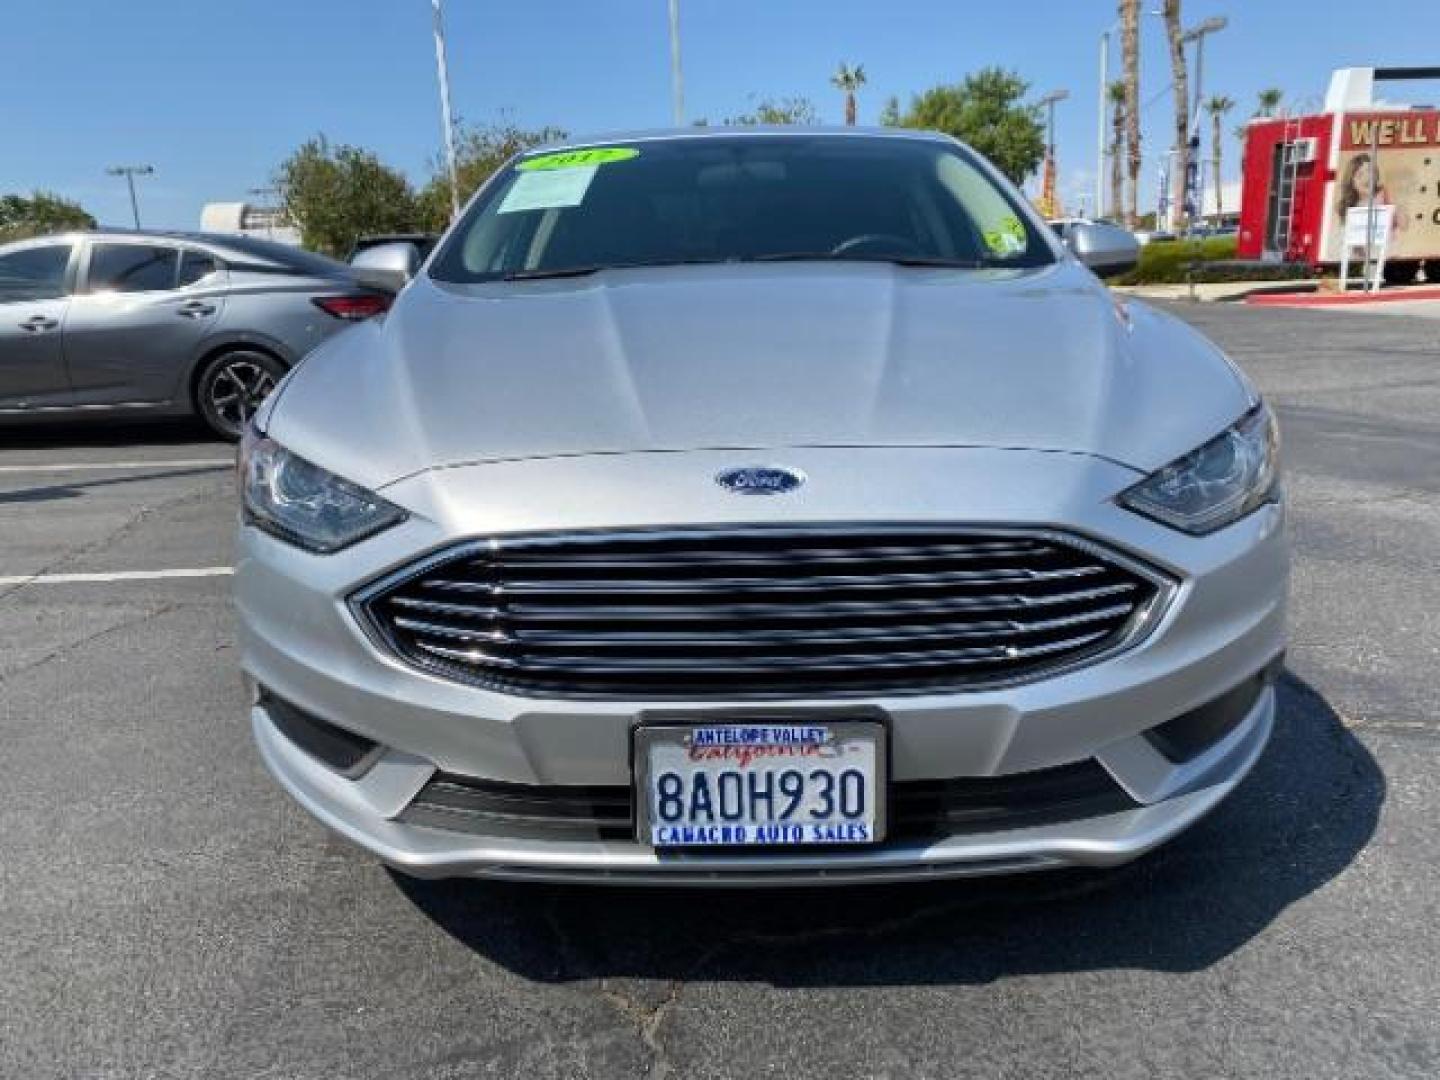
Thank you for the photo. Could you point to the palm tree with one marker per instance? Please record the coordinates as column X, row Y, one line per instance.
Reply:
column 1130, row 47
column 1178, row 179
column 1115, row 95
column 848, row 80
column 1269, row 99
column 1217, row 107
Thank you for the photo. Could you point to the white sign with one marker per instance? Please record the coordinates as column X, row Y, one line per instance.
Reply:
column 1358, row 217
column 545, row 189
column 1367, row 231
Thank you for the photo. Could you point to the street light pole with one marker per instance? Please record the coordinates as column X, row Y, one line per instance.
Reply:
column 130, row 172
column 1049, row 101
column 1100, row 111
column 442, row 72
column 1197, row 35
column 677, row 82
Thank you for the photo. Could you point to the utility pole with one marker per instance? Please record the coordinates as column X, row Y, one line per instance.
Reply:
column 1048, row 203
column 130, row 172
column 677, row 82
column 1197, row 35
column 442, row 72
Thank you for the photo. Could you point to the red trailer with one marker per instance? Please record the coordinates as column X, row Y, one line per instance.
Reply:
column 1301, row 174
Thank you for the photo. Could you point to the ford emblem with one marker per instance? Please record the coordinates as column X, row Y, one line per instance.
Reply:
column 760, row 480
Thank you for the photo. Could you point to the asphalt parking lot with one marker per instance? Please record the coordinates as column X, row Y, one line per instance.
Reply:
column 167, row 912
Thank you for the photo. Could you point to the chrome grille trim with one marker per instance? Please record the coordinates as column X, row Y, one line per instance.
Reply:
column 640, row 612
column 555, row 615
column 840, row 661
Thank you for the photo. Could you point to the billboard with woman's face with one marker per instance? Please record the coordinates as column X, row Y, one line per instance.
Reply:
column 1395, row 157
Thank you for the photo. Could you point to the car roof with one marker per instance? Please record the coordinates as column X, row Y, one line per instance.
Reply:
column 235, row 248
column 119, row 233
column 739, row 131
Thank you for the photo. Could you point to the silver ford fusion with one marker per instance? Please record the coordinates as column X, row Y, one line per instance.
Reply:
column 759, row 507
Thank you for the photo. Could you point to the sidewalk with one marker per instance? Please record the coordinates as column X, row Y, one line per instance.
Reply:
column 1302, row 293
column 1221, row 291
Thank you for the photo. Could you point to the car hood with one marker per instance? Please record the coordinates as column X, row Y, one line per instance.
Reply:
column 756, row 358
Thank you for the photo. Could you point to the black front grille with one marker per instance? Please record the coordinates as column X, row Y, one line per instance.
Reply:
column 759, row 611
column 523, row 811
column 919, row 809
column 938, row 808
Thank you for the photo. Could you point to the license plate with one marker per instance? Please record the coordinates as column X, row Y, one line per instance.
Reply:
column 740, row 784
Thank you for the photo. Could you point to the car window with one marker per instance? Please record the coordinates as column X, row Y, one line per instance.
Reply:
column 36, row 273
column 741, row 198
column 195, row 265
column 128, row 268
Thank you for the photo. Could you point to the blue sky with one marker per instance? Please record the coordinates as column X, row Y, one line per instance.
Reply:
column 214, row 93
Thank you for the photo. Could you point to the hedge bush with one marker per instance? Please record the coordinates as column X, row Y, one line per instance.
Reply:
column 1169, row 262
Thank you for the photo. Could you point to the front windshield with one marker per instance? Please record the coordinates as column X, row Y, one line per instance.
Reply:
column 736, row 199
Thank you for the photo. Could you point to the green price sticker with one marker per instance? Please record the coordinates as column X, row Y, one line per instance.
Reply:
column 1008, row 239
column 572, row 159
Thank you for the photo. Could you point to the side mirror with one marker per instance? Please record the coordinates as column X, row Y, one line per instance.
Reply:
column 1106, row 249
column 387, row 266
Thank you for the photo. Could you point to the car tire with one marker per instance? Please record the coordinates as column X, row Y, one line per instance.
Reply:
column 231, row 388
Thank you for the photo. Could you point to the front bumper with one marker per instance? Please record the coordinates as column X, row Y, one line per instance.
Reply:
column 1224, row 624
column 363, row 811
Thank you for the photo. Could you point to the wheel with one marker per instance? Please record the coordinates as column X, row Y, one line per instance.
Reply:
column 231, row 388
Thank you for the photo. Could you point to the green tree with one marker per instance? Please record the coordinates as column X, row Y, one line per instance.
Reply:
column 1180, row 87
column 1116, row 95
column 1268, row 100
column 848, row 81
column 890, row 114
column 1217, row 107
column 777, row 111
column 336, row 194
column 42, row 213
column 1129, row 14
column 987, row 111
column 479, row 152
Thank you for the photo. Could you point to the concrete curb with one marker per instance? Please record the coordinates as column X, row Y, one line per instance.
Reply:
column 1349, row 299
column 1219, row 292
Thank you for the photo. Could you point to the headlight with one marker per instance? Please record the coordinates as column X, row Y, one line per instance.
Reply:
column 1221, row 482
column 301, row 503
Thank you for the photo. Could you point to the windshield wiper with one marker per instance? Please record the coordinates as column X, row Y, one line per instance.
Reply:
column 541, row 274
column 580, row 271
column 558, row 272
column 896, row 260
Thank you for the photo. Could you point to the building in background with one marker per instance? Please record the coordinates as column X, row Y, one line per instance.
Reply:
column 1224, row 211
column 247, row 219
column 1304, row 173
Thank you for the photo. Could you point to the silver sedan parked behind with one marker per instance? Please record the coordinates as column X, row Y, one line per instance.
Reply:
column 764, row 506
column 163, row 324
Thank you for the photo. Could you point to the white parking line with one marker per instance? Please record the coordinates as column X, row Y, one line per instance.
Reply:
column 118, row 575
column 81, row 466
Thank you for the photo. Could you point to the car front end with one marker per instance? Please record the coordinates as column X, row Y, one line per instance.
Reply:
column 910, row 572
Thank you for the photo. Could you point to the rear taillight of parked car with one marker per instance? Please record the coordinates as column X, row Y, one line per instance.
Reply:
column 353, row 308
